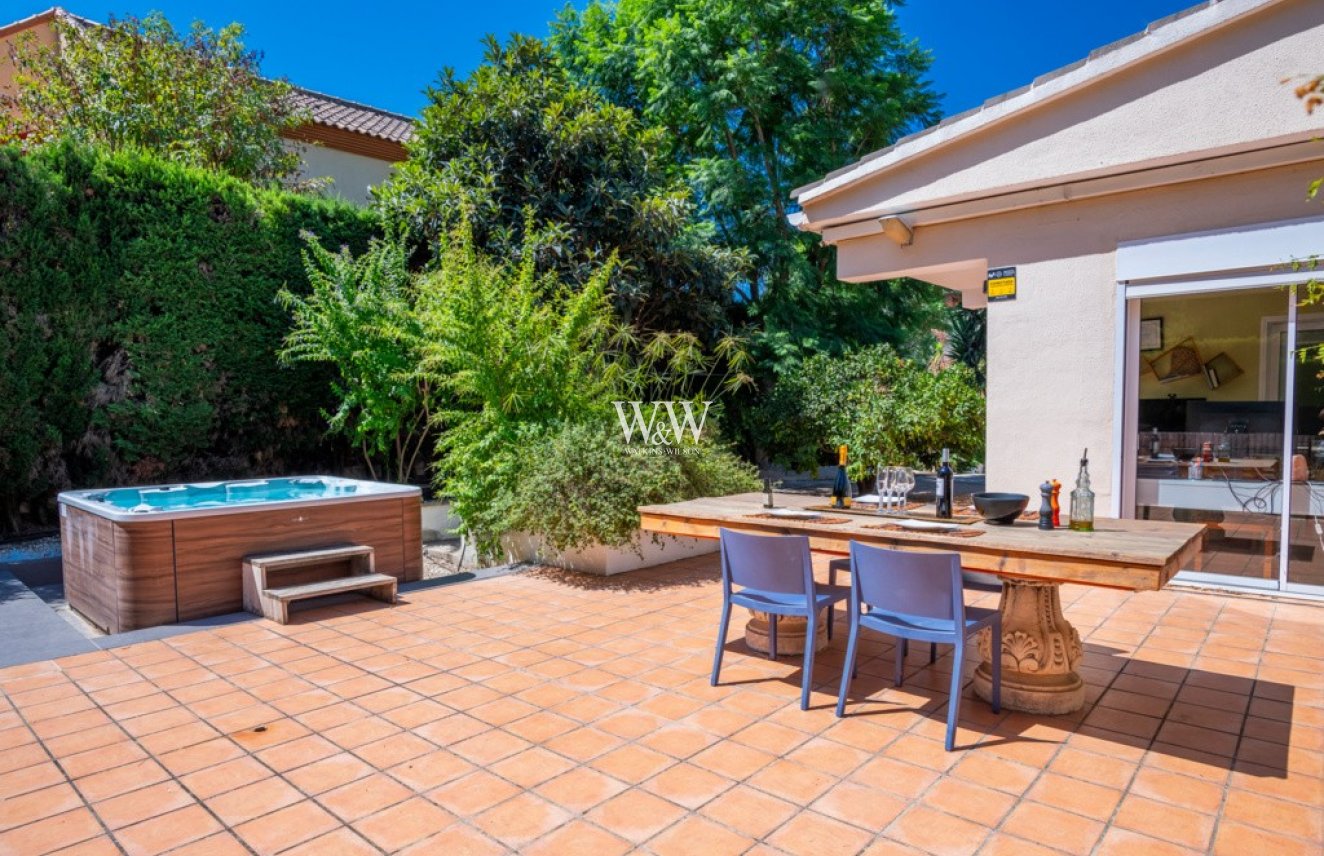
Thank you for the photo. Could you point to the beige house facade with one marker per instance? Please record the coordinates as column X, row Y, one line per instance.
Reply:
column 1153, row 194
column 352, row 146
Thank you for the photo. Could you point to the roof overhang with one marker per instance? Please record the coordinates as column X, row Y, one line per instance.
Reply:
column 1161, row 36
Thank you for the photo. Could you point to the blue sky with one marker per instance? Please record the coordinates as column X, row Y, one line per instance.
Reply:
column 981, row 48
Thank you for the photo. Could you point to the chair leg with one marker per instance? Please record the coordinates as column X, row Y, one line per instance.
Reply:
column 954, row 705
column 933, row 653
column 721, row 639
column 848, row 670
column 997, row 664
column 900, row 661
column 832, row 614
column 772, row 636
column 808, row 683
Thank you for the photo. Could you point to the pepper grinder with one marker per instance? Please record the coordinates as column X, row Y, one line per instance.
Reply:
column 1046, row 505
column 1057, row 506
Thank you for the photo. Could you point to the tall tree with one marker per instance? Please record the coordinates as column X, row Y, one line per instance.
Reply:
column 526, row 155
column 758, row 98
column 196, row 98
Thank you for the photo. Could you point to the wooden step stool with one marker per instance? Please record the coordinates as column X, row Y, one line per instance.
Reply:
column 272, row 581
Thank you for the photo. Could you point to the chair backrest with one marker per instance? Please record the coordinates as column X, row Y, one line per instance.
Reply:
column 923, row 584
column 777, row 563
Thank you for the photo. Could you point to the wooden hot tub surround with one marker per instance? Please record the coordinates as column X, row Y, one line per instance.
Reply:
column 126, row 572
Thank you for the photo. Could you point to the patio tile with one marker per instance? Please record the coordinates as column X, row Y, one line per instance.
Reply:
column 580, row 789
column 287, row 827
column 521, row 820
column 364, row 796
column 936, row 832
column 1053, row 827
column 141, row 804
column 1186, row 791
column 431, row 770
column 211, row 781
column 636, row 815
column 473, row 794
column 1094, row 801
column 342, row 841
column 167, row 831
column 254, row 800
column 861, row 806
column 632, row 763
column 984, row 805
column 52, row 833
column 1163, row 820
column 37, row 805
column 749, row 811
column 489, row 747
column 809, row 832
column 403, row 824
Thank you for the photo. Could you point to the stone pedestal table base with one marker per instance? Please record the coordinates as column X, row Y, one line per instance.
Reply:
column 1040, row 651
column 790, row 633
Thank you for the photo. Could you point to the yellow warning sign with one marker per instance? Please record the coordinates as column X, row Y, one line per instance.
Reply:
column 1001, row 284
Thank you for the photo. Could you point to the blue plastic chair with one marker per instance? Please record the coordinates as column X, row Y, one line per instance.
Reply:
column 776, row 576
column 916, row 596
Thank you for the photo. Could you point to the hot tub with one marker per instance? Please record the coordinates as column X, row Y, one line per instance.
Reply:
column 141, row 556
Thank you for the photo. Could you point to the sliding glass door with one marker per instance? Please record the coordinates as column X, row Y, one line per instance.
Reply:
column 1209, row 423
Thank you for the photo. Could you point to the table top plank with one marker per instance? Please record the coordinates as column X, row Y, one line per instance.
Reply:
column 1127, row 554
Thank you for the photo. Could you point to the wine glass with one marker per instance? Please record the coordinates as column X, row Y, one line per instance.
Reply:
column 905, row 483
column 883, row 482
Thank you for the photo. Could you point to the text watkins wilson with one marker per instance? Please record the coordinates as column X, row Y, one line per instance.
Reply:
column 644, row 422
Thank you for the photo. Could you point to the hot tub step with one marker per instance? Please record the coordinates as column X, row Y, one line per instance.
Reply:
column 273, row 581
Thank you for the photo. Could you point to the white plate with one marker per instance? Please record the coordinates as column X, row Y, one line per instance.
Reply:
column 926, row 526
column 794, row 513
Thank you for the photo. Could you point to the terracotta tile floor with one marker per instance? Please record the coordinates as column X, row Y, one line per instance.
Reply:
column 555, row 713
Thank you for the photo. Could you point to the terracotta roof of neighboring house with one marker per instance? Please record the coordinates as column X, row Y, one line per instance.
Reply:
column 351, row 116
column 1158, row 36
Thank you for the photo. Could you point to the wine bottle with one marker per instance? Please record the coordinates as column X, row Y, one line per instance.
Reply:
column 944, row 485
column 841, row 485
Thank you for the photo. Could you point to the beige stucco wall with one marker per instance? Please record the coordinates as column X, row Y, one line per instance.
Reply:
column 351, row 175
column 1221, row 91
column 1051, row 352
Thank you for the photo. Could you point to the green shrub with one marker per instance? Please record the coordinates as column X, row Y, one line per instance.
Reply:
column 888, row 410
column 581, row 485
column 139, row 327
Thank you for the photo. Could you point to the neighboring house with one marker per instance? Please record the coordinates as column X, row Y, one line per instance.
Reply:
column 353, row 145
column 1152, row 200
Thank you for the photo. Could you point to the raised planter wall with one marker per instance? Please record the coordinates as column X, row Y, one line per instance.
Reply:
column 605, row 561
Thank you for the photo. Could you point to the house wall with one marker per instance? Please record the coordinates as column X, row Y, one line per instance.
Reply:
column 39, row 28
column 1052, row 350
column 351, row 174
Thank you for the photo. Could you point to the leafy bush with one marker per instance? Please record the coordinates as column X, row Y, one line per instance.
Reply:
column 526, row 368
column 889, row 410
column 581, row 485
column 139, row 327
column 196, row 98
column 359, row 317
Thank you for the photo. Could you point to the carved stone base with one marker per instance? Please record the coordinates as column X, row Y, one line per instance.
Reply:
column 790, row 633
column 1040, row 650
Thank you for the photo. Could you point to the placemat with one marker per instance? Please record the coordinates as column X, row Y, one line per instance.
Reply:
column 950, row 533
column 828, row 520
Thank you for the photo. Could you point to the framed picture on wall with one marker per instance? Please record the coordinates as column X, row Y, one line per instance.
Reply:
column 1151, row 334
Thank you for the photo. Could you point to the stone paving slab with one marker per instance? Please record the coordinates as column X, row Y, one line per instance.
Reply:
column 549, row 712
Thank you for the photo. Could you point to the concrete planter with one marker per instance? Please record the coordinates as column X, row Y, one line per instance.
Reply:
column 605, row 561
column 438, row 520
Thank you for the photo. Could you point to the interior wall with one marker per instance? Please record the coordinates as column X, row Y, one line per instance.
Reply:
column 1227, row 323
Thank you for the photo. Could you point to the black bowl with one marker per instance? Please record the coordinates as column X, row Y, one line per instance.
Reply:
column 1001, row 508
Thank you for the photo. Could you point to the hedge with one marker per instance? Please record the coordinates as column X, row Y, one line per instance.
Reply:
column 139, row 326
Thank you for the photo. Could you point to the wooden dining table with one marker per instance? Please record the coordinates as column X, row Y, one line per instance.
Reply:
column 1040, row 649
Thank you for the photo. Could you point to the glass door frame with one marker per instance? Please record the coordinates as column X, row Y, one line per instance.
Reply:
column 1127, row 400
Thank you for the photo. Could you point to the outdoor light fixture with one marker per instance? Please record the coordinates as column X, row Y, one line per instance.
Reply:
column 896, row 229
